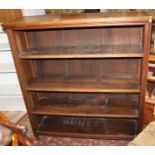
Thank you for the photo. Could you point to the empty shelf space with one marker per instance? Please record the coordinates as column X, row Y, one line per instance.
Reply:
column 84, row 84
column 107, row 51
column 83, row 80
column 92, row 127
column 95, row 107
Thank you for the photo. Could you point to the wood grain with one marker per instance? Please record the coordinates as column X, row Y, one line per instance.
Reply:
column 82, row 52
column 152, row 57
column 84, row 84
column 92, row 127
column 7, row 15
column 61, row 57
column 79, row 20
column 97, row 107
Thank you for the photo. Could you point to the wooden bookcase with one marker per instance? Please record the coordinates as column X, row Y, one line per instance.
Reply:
column 83, row 75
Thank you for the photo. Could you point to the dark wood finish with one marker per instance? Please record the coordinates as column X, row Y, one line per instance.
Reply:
column 82, row 52
column 84, row 84
column 88, row 69
column 96, row 106
column 71, row 69
column 88, row 127
column 87, row 104
column 15, row 44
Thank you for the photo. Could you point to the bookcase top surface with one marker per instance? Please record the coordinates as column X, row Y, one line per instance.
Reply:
column 79, row 20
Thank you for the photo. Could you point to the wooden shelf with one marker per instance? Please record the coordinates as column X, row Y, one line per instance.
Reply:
column 109, row 51
column 62, row 59
column 86, row 108
column 88, row 127
column 84, row 84
column 151, row 79
column 152, row 57
column 79, row 20
column 149, row 100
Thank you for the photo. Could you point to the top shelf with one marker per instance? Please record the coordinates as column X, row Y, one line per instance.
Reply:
column 79, row 20
column 106, row 51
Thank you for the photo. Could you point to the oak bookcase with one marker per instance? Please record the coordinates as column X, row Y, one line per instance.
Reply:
column 83, row 75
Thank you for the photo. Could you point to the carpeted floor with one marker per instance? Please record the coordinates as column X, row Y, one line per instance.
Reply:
column 67, row 141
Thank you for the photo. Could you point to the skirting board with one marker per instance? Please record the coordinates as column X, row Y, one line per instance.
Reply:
column 12, row 103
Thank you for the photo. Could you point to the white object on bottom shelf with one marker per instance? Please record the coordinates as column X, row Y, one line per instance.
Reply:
column 12, row 103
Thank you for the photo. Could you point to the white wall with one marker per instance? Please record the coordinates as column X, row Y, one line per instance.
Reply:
column 11, row 98
column 10, row 93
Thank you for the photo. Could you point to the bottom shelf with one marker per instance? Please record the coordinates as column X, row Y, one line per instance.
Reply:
column 88, row 127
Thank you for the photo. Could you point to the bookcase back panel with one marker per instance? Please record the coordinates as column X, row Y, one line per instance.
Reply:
column 91, row 127
column 130, row 68
column 45, row 38
column 112, row 68
column 122, row 36
column 84, row 96
column 96, row 36
column 86, row 104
